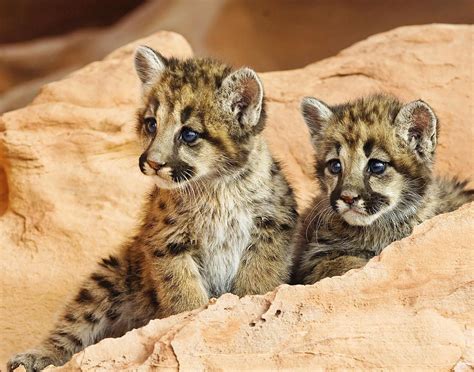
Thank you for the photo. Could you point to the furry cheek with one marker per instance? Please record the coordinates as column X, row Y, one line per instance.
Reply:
column 202, row 157
column 331, row 182
column 389, row 185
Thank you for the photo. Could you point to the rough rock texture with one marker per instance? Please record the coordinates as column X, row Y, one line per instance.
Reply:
column 70, row 190
column 409, row 309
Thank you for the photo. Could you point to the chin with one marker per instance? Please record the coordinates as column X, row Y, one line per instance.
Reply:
column 166, row 184
column 358, row 219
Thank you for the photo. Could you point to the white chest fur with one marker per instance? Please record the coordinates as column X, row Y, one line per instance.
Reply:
column 225, row 233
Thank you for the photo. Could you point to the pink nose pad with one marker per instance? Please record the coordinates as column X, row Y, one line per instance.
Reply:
column 349, row 199
column 155, row 165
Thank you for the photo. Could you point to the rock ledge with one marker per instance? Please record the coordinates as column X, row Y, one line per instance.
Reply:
column 70, row 191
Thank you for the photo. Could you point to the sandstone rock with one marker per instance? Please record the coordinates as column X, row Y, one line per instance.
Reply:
column 403, row 311
column 226, row 29
column 71, row 191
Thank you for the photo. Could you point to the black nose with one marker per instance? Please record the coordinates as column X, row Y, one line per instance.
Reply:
column 349, row 199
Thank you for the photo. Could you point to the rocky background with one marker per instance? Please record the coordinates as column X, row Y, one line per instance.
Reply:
column 71, row 190
column 48, row 39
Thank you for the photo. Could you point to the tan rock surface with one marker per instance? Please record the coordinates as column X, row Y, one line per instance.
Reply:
column 403, row 311
column 74, row 190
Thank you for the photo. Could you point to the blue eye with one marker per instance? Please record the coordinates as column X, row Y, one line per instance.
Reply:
column 377, row 166
column 150, row 125
column 188, row 135
column 334, row 166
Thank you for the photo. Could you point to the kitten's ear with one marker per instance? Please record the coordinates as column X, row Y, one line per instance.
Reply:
column 316, row 114
column 241, row 93
column 149, row 64
column 418, row 126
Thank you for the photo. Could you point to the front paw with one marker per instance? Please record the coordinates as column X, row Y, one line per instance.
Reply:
column 33, row 361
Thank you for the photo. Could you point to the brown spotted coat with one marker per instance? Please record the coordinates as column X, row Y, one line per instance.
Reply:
column 359, row 211
column 219, row 220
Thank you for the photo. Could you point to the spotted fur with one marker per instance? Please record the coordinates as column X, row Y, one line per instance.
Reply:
column 219, row 219
column 358, row 211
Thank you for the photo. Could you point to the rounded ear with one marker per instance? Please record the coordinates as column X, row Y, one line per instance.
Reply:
column 316, row 114
column 417, row 124
column 241, row 93
column 149, row 64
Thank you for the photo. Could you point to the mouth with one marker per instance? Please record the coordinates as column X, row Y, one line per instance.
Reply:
column 356, row 211
column 162, row 179
column 167, row 181
column 357, row 217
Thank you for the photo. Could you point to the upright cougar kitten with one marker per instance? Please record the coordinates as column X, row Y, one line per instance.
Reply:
column 220, row 221
column 374, row 165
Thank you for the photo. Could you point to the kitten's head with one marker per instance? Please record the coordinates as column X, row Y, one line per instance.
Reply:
column 374, row 156
column 198, row 120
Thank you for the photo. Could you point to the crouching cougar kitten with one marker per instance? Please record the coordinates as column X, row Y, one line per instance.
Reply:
column 374, row 165
column 220, row 221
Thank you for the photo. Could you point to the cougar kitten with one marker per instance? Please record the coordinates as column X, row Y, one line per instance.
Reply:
column 374, row 164
column 219, row 220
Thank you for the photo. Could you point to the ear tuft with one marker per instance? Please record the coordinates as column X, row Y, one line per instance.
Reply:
column 241, row 93
column 418, row 126
column 316, row 114
column 149, row 64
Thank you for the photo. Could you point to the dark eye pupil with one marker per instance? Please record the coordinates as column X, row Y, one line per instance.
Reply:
column 150, row 125
column 377, row 166
column 189, row 135
column 335, row 166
